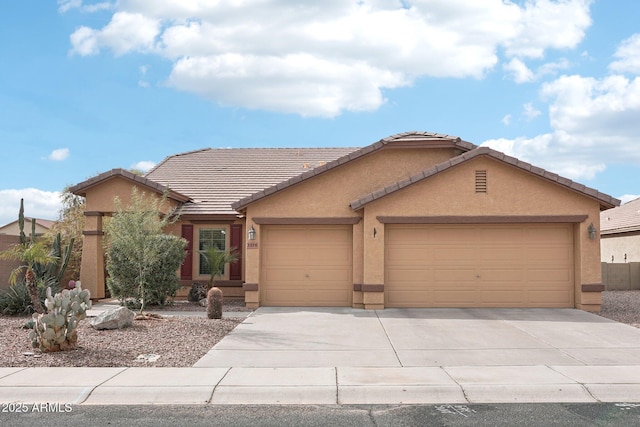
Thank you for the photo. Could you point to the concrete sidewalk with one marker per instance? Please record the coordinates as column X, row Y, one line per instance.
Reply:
column 344, row 356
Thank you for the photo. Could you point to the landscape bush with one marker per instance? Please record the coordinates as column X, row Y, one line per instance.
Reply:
column 142, row 261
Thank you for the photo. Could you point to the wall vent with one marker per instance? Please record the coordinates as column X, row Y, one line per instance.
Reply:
column 481, row 181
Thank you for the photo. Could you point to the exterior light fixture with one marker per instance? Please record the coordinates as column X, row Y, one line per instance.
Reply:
column 252, row 233
column 592, row 231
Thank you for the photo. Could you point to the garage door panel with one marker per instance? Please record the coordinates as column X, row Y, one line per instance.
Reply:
column 453, row 254
column 508, row 275
column 555, row 298
column 410, row 298
column 444, row 276
column 282, row 256
column 500, row 254
column 549, row 235
column 328, row 256
column 548, row 275
column 410, row 255
column 306, row 265
column 500, row 235
column 284, row 274
column 501, row 298
column 331, row 276
column 403, row 234
column 464, row 296
column 491, row 265
column 550, row 255
column 409, row 275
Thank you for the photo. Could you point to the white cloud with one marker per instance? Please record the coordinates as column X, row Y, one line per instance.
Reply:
column 59, row 155
column 594, row 121
column 125, row 33
column 530, row 112
column 519, row 72
column 144, row 165
column 321, row 59
column 546, row 24
column 506, row 120
column 628, row 54
column 628, row 197
column 66, row 5
column 37, row 203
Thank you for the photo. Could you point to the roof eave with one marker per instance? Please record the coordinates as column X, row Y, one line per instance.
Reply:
column 81, row 188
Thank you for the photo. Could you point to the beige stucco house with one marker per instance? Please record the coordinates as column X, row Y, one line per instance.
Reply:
column 621, row 233
column 13, row 228
column 414, row 220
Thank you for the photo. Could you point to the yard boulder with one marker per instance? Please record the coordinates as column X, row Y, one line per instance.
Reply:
column 116, row 318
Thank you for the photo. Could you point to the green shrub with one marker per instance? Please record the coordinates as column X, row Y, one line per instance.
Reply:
column 15, row 300
column 142, row 261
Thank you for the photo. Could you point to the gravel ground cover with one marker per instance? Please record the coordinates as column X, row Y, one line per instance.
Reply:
column 181, row 341
column 621, row 306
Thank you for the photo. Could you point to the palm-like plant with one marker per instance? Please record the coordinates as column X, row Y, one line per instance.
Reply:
column 31, row 254
column 217, row 259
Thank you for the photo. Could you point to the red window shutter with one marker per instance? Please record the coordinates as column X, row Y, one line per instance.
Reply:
column 235, row 270
column 186, row 270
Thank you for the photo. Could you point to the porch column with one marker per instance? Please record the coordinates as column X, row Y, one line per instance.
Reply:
column 251, row 286
column 373, row 286
column 92, row 266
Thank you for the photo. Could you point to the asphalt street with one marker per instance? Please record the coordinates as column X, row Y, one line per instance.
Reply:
column 551, row 414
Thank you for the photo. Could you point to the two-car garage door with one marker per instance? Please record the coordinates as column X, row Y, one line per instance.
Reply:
column 488, row 265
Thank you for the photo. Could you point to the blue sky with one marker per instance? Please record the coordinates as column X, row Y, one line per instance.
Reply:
column 87, row 86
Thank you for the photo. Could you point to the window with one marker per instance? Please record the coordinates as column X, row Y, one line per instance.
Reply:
column 210, row 238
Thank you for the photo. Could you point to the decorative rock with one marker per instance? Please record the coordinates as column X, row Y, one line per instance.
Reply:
column 148, row 358
column 203, row 302
column 116, row 318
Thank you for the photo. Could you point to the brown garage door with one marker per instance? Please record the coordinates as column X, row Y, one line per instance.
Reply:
column 306, row 265
column 524, row 265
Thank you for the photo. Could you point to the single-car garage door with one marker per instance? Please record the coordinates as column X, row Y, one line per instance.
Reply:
column 511, row 265
column 306, row 265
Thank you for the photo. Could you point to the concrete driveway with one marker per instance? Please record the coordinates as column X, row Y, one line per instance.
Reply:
column 343, row 337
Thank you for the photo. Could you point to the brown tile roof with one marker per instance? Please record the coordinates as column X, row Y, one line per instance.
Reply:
column 623, row 219
column 406, row 139
column 215, row 178
column 81, row 188
column 605, row 200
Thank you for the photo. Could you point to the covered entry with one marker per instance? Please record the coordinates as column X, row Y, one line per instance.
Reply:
column 306, row 265
column 479, row 265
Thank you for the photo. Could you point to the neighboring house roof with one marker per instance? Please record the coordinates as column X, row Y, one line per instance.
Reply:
column 81, row 188
column 215, row 178
column 623, row 219
column 406, row 140
column 605, row 200
column 44, row 223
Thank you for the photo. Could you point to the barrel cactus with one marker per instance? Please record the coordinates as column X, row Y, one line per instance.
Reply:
column 57, row 329
column 214, row 303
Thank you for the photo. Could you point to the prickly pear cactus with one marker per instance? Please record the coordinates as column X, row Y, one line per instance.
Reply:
column 214, row 303
column 57, row 329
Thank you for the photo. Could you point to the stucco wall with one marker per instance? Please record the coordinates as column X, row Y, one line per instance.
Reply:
column 615, row 247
